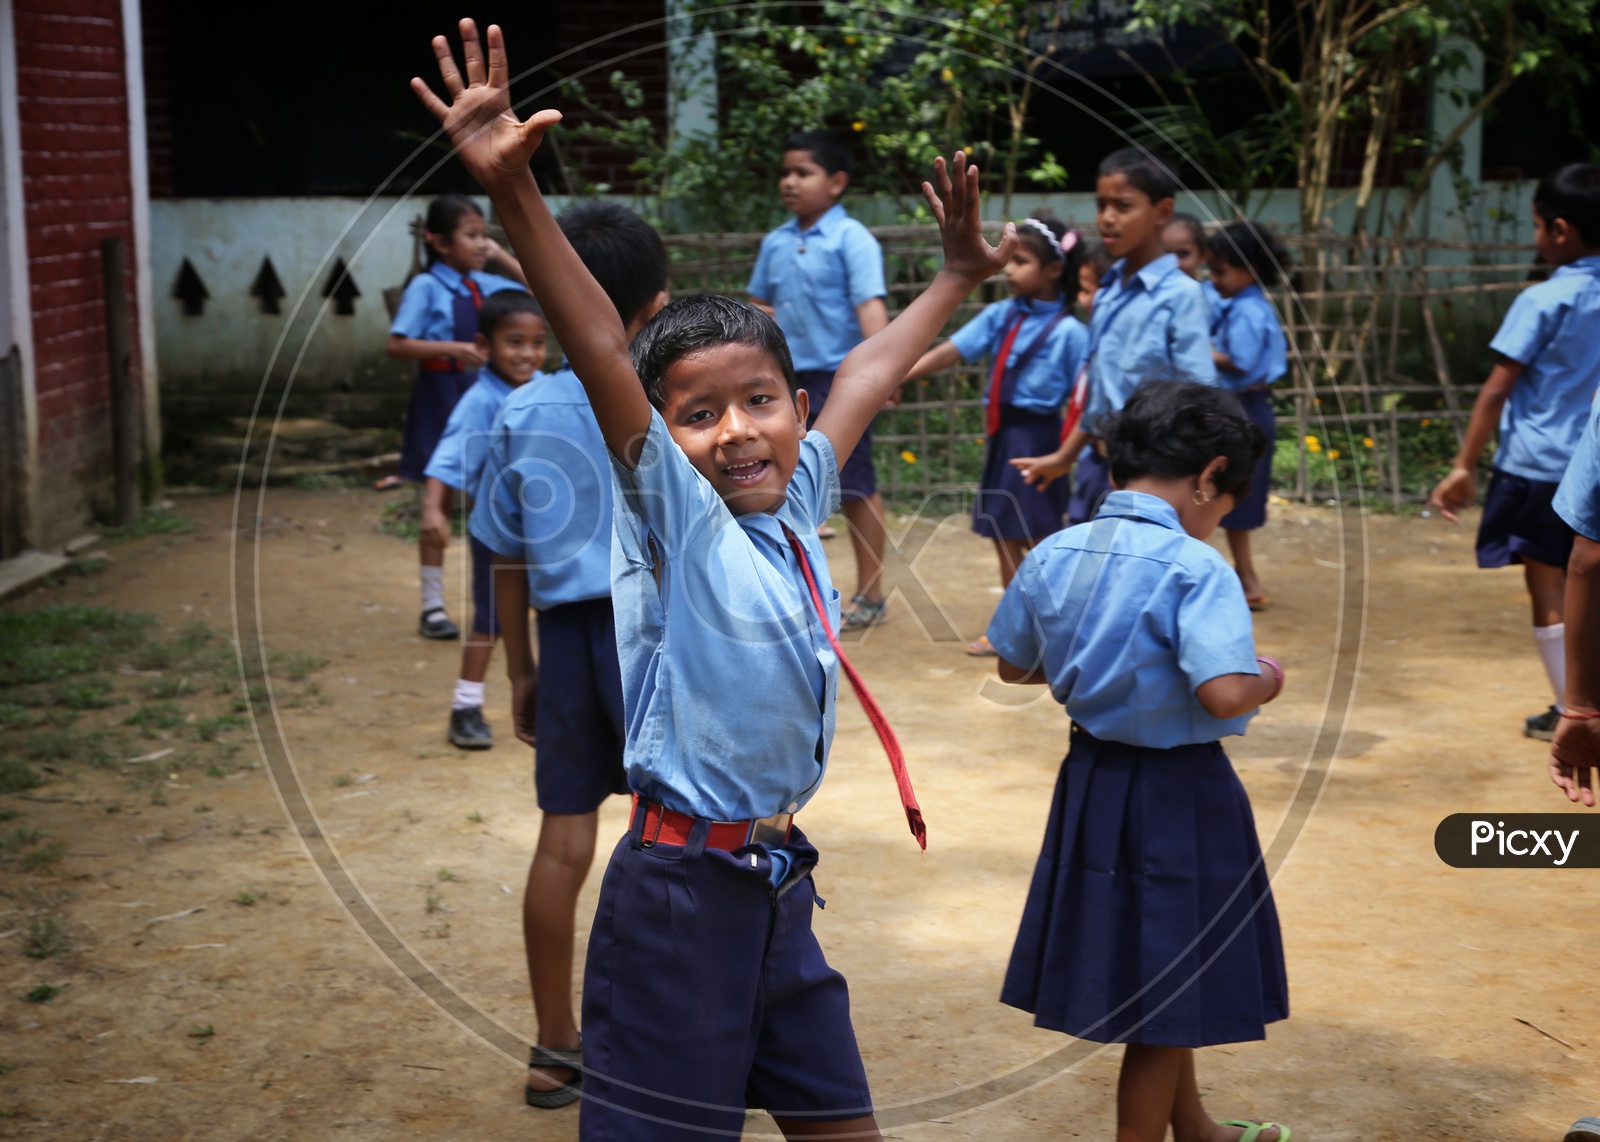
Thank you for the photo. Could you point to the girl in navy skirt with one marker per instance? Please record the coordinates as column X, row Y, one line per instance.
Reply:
column 1150, row 919
column 1251, row 353
column 1037, row 348
column 437, row 326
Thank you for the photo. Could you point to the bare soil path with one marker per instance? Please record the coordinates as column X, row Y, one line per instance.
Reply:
column 275, row 1017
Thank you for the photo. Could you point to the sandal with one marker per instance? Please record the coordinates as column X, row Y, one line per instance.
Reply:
column 826, row 532
column 980, row 647
column 1259, row 603
column 557, row 1058
column 1252, row 1130
column 388, row 484
column 864, row 613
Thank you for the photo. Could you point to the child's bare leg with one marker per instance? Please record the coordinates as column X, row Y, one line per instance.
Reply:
column 432, row 556
column 1011, row 552
column 1245, row 564
column 866, row 540
column 864, row 1128
column 1146, row 1089
column 1547, row 587
column 475, row 655
column 1190, row 1122
column 549, row 920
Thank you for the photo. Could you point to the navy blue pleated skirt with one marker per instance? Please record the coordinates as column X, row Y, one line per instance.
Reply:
column 1006, row 507
column 1150, row 917
column 1251, row 512
column 433, row 399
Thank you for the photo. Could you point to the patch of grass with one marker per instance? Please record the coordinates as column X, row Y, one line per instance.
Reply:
column 43, row 856
column 153, row 522
column 215, row 770
column 158, row 716
column 15, row 777
column 476, row 817
column 446, row 875
column 56, row 642
column 59, row 745
column 22, row 838
column 47, row 938
column 44, row 993
column 173, row 686
column 325, row 481
column 402, row 518
column 208, row 729
column 202, row 1031
column 346, row 778
column 247, row 898
column 432, row 903
column 295, row 665
column 193, row 648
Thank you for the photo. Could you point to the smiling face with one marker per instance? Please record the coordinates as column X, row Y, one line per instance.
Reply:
column 1127, row 219
column 1230, row 280
column 517, row 347
column 1028, row 275
column 729, row 408
column 808, row 191
column 466, row 248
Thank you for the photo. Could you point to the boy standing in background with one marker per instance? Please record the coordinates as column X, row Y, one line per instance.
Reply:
column 821, row 276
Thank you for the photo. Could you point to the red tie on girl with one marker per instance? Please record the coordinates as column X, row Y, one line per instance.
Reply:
column 477, row 294
column 891, row 745
column 997, row 379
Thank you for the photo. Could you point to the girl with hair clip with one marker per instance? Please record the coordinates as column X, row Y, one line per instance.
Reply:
column 1037, row 347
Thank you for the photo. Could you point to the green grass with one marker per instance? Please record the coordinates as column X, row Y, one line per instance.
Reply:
column 47, row 938
column 153, row 522
column 15, row 777
column 57, row 642
column 295, row 665
column 44, row 993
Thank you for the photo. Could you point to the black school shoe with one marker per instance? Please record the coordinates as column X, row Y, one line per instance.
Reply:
column 468, row 730
column 437, row 624
column 1584, row 1130
column 1542, row 726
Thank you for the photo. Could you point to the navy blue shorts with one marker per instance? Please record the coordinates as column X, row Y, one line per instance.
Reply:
column 1251, row 512
column 858, row 478
column 706, row 993
column 484, row 620
column 1519, row 523
column 579, row 721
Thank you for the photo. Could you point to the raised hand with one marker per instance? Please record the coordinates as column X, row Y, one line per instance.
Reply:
column 492, row 143
column 953, row 198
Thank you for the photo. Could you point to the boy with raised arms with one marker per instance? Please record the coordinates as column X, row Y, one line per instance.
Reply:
column 705, row 991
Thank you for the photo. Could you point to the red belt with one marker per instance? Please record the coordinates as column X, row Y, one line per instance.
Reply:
column 441, row 365
column 670, row 827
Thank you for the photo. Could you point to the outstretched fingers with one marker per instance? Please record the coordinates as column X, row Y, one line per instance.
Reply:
column 472, row 52
column 498, row 71
column 448, row 73
column 438, row 107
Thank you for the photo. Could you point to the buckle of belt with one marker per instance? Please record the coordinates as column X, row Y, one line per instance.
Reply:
column 727, row 836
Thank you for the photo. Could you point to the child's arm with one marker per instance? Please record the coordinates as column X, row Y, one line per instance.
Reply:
column 936, row 360
column 1459, row 488
column 1017, row 676
column 435, row 524
column 413, row 349
column 877, row 367
column 511, row 608
column 505, row 263
column 1224, row 362
column 1575, row 752
column 1233, row 695
column 1040, row 471
column 872, row 315
column 496, row 147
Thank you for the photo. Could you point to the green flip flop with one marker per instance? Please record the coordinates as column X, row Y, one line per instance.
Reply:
column 1252, row 1130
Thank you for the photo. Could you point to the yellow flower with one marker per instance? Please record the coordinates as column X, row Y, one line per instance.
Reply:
column 1313, row 444
column 1333, row 454
column 850, row 40
column 859, row 125
column 909, row 456
column 966, row 150
column 1426, row 422
column 947, row 75
column 1318, row 400
column 1367, row 440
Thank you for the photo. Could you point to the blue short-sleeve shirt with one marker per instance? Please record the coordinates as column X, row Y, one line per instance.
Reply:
column 814, row 279
column 1129, row 615
column 1046, row 382
column 1213, row 298
column 1578, row 498
column 1246, row 328
column 457, row 459
column 1156, row 323
column 1551, row 331
column 728, row 681
column 427, row 307
column 545, row 494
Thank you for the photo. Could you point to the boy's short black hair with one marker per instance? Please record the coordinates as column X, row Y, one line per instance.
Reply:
column 1144, row 171
column 1253, row 247
column 1573, row 193
column 1175, row 428
column 621, row 250
column 827, row 150
column 444, row 215
column 1099, row 258
column 1196, row 228
column 499, row 306
column 700, row 322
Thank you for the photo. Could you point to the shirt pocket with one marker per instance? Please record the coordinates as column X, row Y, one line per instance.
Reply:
column 824, row 275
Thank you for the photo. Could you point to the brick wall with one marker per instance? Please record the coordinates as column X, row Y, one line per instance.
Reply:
column 72, row 106
column 583, row 21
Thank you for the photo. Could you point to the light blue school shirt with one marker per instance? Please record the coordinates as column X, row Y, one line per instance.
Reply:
column 814, row 278
column 1553, row 331
column 1245, row 327
column 1155, row 324
column 1129, row 616
column 1047, row 381
column 427, row 308
column 457, row 459
column 545, row 494
column 1213, row 298
column 728, row 681
column 1578, row 498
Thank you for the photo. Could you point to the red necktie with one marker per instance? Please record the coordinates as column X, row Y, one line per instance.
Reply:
column 997, row 379
column 875, row 715
column 477, row 294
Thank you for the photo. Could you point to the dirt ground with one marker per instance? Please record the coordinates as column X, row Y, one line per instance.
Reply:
column 1410, row 981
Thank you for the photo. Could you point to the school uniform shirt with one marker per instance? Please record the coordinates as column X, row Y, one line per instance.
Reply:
column 814, row 279
column 1155, row 324
column 1129, row 615
column 427, row 308
column 544, row 497
column 1550, row 330
column 729, row 684
column 457, row 460
column 1577, row 500
column 1213, row 298
column 1046, row 383
column 1246, row 328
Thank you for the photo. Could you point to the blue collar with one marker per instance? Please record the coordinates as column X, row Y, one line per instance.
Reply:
column 447, row 275
column 1034, row 307
column 1140, row 505
column 1588, row 265
column 830, row 218
column 1148, row 276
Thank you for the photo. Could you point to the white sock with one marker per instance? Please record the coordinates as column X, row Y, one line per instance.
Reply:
column 1552, row 644
column 432, row 588
column 468, row 696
